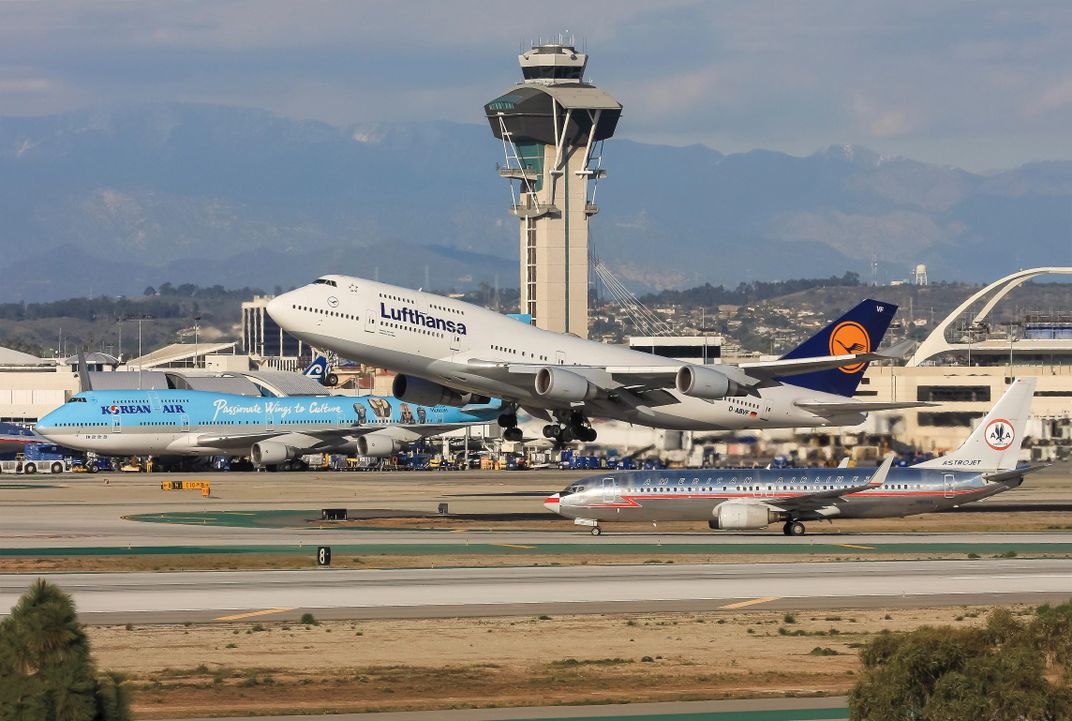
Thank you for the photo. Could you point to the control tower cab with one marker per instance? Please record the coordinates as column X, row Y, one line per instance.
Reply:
column 552, row 126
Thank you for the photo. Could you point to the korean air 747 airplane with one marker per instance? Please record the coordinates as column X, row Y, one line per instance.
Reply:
column 268, row 430
column 750, row 498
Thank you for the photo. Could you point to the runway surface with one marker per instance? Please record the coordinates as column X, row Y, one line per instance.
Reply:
column 450, row 592
column 781, row 709
column 91, row 512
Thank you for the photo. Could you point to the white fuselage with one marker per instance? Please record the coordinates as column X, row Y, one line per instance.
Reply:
column 449, row 341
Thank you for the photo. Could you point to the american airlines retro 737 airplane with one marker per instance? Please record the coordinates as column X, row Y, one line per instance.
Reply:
column 450, row 352
column 749, row 498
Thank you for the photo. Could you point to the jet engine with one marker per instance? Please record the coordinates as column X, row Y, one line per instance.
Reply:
column 377, row 445
column 706, row 383
column 426, row 393
column 269, row 453
column 743, row 516
column 558, row 384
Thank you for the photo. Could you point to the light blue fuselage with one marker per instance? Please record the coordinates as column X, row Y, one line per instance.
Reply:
column 190, row 422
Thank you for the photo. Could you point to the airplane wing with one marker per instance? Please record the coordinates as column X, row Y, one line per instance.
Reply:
column 821, row 499
column 237, row 440
column 829, row 408
column 403, row 433
column 646, row 386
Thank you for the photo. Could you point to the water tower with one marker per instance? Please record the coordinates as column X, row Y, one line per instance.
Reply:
column 552, row 126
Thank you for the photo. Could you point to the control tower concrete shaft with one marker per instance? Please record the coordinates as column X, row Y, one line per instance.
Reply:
column 552, row 125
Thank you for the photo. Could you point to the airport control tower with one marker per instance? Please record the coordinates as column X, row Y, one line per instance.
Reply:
column 552, row 125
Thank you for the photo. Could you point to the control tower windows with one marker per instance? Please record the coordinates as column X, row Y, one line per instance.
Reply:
column 553, row 72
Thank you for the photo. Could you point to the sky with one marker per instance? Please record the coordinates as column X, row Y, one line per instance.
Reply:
column 980, row 85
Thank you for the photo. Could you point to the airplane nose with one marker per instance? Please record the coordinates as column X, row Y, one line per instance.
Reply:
column 551, row 503
column 277, row 308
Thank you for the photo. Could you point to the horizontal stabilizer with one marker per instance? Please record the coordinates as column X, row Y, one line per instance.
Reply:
column 1015, row 474
column 824, row 408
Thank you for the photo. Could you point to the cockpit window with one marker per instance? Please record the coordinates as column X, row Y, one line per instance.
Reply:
column 76, row 399
column 325, row 281
column 572, row 489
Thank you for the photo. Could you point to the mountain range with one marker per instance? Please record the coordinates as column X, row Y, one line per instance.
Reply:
column 111, row 201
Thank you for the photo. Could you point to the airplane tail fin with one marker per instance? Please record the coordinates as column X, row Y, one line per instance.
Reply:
column 859, row 331
column 84, row 382
column 994, row 445
column 317, row 368
column 319, row 371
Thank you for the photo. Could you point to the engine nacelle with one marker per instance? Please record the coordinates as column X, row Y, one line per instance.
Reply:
column 706, row 383
column 269, row 453
column 743, row 516
column 426, row 393
column 377, row 445
column 558, row 384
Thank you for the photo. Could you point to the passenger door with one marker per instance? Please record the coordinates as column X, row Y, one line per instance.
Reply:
column 610, row 490
column 947, row 483
column 370, row 320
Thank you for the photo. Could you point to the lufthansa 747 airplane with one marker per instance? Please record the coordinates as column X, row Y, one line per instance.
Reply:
column 749, row 498
column 451, row 352
column 269, row 430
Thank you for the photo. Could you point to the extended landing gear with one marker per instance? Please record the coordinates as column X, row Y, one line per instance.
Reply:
column 508, row 422
column 572, row 426
column 793, row 528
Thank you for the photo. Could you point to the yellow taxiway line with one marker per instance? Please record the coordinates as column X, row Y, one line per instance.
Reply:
column 251, row 614
column 751, row 602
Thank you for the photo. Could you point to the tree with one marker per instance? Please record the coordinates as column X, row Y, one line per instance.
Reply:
column 997, row 672
column 46, row 670
column 149, row 290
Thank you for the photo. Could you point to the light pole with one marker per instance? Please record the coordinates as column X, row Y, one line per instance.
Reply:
column 197, row 318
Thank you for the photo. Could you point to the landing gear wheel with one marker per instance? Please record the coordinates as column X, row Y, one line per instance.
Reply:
column 596, row 531
column 552, row 431
column 586, row 434
column 507, row 420
column 513, row 435
column 794, row 528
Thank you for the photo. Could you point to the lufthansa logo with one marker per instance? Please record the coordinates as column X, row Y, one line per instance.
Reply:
column 850, row 337
column 333, row 301
column 999, row 434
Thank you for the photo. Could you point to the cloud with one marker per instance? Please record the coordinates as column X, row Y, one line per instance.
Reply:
column 959, row 81
column 1055, row 97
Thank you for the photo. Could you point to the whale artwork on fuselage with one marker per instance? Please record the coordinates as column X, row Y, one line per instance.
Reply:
column 270, row 430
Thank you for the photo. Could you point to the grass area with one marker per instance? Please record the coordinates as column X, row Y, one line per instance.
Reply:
column 278, row 667
column 193, row 561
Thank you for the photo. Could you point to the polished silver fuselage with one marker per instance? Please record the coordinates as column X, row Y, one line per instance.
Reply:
column 684, row 495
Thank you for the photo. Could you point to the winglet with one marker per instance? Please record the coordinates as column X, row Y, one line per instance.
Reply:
column 879, row 476
column 84, row 383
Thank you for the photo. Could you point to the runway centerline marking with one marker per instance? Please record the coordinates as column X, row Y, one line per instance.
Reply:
column 251, row 614
column 751, row 602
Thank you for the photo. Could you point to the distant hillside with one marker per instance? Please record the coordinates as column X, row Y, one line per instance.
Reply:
column 109, row 202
